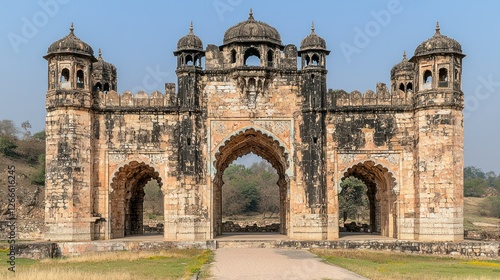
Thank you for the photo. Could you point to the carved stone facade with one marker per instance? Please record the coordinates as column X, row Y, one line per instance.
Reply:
column 405, row 142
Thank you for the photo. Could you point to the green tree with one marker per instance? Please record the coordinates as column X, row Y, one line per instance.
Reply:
column 26, row 126
column 353, row 198
column 38, row 178
column 39, row 135
column 471, row 172
column 7, row 146
column 8, row 129
column 475, row 187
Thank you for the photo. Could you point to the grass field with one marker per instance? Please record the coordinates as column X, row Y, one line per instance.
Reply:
column 472, row 214
column 171, row 264
column 389, row 265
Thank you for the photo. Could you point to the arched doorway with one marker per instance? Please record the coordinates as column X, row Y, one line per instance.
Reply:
column 127, row 198
column 380, row 184
column 240, row 144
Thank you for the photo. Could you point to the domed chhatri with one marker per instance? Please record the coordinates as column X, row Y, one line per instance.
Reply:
column 190, row 41
column 438, row 44
column 403, row 66
column 71, row 44
column 101, row 64
column 252, row 30
column 313, row 41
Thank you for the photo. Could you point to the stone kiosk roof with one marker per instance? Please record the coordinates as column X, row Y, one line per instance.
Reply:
column 190, row 41
column 252, row 30
column 71, row 44
column 438, row 44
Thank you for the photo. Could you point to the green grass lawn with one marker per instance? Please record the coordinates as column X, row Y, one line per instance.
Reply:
column 171, row 264
column 388, row 265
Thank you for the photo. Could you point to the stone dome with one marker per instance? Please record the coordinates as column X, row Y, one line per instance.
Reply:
column 313, row 41
column 101, row 65
column 190, row 42
column 438, row 44
column 403, row 66
column 252, row 30
column 71, row 44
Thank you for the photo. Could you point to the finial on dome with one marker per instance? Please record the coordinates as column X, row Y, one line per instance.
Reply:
column 312, row 27
column 100, row 53
column 72, row 28
column 438, row 29
column 250, row 15
column 191, row 28
column 404, row 55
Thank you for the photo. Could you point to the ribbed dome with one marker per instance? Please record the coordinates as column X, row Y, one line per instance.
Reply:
column 71, row 44
column 403, row 66
column 252, row 30
column 313, row 41
column 102, row 65
column 190, row 42
column 438, row 44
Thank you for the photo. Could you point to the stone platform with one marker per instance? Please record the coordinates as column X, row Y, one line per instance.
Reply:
column 476, row 249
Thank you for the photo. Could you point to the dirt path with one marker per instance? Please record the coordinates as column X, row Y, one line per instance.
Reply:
column 268, row 263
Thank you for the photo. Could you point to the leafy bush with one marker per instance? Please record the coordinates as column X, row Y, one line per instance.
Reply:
column 491, row 206
column 475, row 187
column 38, row 178
column 7, row 146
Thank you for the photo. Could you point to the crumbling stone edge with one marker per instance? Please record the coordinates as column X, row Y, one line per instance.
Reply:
column 471, row 249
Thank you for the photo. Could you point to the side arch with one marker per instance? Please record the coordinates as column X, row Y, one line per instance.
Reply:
column 127, row 197
column 382, row 194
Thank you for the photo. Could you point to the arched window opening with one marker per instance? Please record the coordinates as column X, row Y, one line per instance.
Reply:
column 401, row 87
column 308, row 60
column 427, row 79
column 456, row 75
column 252, row 57
column 65, row 83
column 270, row 58
column 106, row 87
column 98, row 86
column 189, row 60
column 409, row 87
column 443, row 77
column 233, row 56
column 315, row 60
column 79, row 79
column 64, row 75
column 113, row 87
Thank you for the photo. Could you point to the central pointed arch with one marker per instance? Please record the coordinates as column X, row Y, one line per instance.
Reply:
column 266, row 146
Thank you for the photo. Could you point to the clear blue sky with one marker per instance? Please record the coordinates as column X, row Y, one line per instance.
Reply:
column 138, row 36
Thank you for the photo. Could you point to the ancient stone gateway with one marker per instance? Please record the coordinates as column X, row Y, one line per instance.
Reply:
column 253, row 95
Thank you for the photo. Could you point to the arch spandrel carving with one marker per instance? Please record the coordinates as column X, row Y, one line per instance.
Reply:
column 267, row 145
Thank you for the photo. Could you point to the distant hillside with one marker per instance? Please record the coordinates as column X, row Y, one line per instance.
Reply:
column 29, row 195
